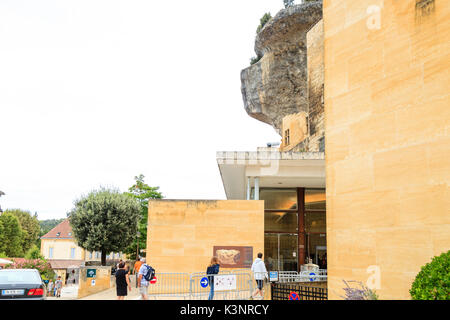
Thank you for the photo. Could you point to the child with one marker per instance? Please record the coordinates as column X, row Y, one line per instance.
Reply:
column 50, row 287
column 58, row 286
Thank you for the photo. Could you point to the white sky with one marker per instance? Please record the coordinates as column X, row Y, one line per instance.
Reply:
column 93, row 93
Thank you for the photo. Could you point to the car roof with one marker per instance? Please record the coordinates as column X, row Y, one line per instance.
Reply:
column 12, row 270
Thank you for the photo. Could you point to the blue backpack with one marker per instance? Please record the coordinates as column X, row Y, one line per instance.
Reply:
column 149, row 273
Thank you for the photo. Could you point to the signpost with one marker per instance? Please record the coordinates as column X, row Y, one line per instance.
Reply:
column 313, row 278
column 91, row 273
column 204, row 282
column 273, row 276
column 294, row 296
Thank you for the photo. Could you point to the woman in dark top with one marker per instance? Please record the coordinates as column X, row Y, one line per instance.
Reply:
column 213, row 268
column 122, row 281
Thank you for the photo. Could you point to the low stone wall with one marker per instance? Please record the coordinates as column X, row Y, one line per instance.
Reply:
column 99, row 282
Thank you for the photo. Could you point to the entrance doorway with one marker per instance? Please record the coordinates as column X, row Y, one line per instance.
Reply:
column 281, row 251
column 295, row 227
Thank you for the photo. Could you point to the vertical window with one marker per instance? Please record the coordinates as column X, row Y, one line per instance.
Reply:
column 90, row 255
column 50, row 253
column 72, row 253
column 286, row 137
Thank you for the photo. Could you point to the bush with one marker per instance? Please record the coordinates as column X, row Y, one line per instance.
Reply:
column 265, row 18
column 255, row 60
column 433, row 280
column 41, row 265
column 361, row 293
column 34, row 253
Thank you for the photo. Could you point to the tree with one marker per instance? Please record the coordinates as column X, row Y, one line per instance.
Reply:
column 34, row 253
column 262, row 22
column 30, row 227
column 105, row 220
column 11, row 239
column 142, row 192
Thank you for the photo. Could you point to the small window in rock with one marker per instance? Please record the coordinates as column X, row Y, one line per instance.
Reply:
column 286, row 137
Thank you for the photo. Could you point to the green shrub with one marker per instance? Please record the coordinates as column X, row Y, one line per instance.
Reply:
column 433, row 280
column 255, row 60
column 265, row 18
column 41, row 265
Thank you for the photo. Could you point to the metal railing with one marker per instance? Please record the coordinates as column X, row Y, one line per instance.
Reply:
column 297, row 291
column 237, row 285
column 302, row 276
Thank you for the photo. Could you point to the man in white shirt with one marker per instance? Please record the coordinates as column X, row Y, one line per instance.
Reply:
column 142, row 283
column 260, row 273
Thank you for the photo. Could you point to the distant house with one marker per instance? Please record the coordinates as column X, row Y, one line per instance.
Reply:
column 59, row 247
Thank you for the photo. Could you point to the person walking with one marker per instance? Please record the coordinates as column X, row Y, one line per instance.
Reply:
column 122, row 281
column 213, row 268
column 50, row 287
column 58, row 287
column 260, row 273
column 142, row 282
column 137, row 266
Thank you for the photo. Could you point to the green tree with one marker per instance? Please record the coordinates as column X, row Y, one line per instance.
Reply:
column 34, row 253
column 433, row 280
column 262, row 22
column 142, row 192
column 29, row 225
column 11, row 235
column 105, row 220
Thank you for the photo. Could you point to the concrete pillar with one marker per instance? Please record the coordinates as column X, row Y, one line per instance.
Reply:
column 256, row 188
column 249, row 188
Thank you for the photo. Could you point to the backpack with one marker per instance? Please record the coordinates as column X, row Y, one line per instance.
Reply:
column 149, row 273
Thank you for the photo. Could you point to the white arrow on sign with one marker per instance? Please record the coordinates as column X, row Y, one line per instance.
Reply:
column 204, row 282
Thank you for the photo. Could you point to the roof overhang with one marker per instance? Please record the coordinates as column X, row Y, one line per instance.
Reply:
column 275, row 169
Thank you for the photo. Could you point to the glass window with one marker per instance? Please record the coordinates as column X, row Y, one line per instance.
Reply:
column 20, row 276
column 72, row 253
column 315, row 199
column 280, row 221
column 316, row 248
column 271, row 251
column 279, row 199
column 280, row 251
column 288, row 252
column 50, row 253
column 315, row 222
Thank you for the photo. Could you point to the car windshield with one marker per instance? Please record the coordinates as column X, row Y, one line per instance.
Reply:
column 19, row 276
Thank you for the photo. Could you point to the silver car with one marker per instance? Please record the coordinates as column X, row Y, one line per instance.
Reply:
column 22, row 284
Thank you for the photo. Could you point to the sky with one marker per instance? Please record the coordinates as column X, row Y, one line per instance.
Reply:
column 94, row 93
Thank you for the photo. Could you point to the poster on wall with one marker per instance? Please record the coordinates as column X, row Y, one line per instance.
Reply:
column 234, row 256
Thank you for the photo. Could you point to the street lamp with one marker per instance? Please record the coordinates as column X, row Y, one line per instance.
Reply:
column 138, row 234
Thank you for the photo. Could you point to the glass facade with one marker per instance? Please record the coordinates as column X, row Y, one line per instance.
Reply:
column 295, row 227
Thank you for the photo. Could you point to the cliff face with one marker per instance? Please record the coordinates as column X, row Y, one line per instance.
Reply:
column 277, row 85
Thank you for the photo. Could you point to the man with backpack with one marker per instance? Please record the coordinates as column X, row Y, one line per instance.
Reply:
column 146, row 273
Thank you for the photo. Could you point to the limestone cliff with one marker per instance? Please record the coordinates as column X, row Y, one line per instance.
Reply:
column 277, row 85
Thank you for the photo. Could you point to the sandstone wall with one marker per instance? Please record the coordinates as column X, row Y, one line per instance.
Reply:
column 387, row 116
column 182, row 233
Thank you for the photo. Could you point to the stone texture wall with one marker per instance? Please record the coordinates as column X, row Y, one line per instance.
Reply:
column 182, row 233
column 316, row 124
column 387, row 71
column 276, row 86
column 298, row 130
column 102, row 281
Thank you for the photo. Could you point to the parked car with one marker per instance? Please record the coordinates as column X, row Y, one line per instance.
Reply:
column 24, row 284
